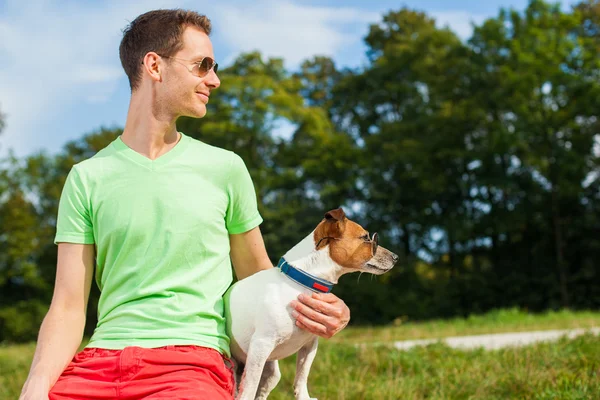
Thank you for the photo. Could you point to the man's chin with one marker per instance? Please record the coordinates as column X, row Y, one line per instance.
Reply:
column 197, row 113
column 201, row 111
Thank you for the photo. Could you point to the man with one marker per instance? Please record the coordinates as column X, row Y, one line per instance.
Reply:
column 162, row 216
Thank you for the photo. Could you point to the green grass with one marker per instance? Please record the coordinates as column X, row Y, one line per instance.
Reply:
column 567, row 369
column 508, row 320
column 15, row 361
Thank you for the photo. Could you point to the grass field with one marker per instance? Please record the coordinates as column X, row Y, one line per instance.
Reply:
column 567, row 369
column 508, row 320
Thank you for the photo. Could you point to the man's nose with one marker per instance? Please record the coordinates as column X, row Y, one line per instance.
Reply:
column 212, row 80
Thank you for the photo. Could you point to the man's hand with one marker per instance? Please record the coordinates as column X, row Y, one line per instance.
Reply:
column 323, row 314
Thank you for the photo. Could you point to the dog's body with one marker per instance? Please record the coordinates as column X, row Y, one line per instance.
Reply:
column 259, row 319
column 255, row 300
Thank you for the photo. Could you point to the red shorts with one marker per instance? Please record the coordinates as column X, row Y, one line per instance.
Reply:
column 171, row 372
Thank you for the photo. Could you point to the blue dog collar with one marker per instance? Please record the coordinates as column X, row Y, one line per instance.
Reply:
column 305, row 279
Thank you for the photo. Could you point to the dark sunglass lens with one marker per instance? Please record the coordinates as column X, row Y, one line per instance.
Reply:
column 375, row 241
column 206, row 64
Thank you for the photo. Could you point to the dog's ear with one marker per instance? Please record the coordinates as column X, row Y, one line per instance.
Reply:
column 336, row 222
column 338, row 215
column 332, row 226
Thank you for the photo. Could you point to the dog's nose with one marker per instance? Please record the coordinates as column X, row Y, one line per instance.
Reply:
column 395, row 258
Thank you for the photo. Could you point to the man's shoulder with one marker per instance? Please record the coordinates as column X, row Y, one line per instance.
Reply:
column 96, row 163
column 213, row 153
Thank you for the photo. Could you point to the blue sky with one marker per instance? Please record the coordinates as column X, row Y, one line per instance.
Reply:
column 60, row 75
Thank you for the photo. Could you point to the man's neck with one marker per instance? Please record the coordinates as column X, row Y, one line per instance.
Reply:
column 148, row 130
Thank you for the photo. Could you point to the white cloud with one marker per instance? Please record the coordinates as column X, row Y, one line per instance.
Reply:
column 60, row 55
column 90, row 73
column 291, row 31
column 56, row 54
column 458, row 21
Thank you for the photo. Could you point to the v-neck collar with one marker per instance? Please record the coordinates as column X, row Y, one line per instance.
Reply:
column 138, row 158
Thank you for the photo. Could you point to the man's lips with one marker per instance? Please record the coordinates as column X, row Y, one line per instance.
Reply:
column 203, row 96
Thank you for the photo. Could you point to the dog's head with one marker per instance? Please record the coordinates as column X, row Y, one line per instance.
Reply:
column 351, row 246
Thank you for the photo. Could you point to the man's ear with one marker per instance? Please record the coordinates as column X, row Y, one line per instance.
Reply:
column 338, row 215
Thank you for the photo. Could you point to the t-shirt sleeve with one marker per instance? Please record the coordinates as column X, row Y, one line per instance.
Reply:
column 242, row 210
column 74, row 222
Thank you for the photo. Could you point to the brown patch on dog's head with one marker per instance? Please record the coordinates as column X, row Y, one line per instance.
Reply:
column 332, row 227
column 350, row 245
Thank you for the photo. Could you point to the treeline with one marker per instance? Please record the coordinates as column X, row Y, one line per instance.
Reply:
column 477, row 161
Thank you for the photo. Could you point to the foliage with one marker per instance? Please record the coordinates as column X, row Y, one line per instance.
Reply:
column 477, row 161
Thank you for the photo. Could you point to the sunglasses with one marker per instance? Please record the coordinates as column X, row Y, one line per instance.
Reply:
column 199, row 68
column 373, row 240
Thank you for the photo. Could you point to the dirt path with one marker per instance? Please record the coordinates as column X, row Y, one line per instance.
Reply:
column 498, row 340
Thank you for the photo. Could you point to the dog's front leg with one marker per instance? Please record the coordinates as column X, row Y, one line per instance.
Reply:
column 306, row 356
column 258, row 352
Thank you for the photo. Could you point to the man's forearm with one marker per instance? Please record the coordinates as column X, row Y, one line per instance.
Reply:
column 59, row 338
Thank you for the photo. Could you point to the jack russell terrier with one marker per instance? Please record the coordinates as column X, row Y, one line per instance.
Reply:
column 259, row 316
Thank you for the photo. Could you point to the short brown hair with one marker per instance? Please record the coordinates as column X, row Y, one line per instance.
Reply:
column 159, row 31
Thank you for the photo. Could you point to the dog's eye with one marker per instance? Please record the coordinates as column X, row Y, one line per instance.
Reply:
column 365, row 237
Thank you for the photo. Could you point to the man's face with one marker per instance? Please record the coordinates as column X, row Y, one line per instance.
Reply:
column 185, row 93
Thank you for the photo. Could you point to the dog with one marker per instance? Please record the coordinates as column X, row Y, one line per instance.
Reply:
column 259, row 317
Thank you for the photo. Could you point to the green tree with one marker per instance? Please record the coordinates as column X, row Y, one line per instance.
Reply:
column 23, row 289
column 30, row 190
column 259, row 112
column 2, row 117
column 539, row 132
column 409, row 118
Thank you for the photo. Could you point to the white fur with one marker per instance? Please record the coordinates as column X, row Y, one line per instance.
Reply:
column 318, row 263
column 261, row 326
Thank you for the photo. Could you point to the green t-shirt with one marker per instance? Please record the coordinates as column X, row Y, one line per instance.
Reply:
column 161, row 229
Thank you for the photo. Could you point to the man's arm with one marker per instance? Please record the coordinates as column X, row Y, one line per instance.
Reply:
column 62, row 329
column 322, row 314
column 248, row 253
